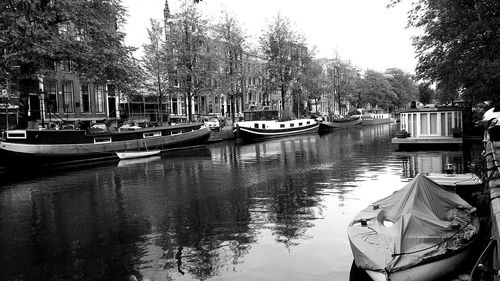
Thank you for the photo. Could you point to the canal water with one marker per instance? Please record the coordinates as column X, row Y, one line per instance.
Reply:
column 273, row 210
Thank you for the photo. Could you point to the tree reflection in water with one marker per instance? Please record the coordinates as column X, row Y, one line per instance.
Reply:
column 231, row 208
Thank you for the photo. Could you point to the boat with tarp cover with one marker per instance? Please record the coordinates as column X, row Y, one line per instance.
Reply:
column 65, row 147
column 422, row 232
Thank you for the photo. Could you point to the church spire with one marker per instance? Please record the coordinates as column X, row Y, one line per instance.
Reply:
column 166, row 11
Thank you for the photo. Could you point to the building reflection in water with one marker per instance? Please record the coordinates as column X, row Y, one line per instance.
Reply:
column 427, row 162
column 230, row 207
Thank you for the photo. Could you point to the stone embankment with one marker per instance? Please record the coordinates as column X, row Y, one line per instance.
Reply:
column 492, row 160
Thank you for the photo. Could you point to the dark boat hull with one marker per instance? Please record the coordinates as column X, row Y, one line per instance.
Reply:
column 56, row 148
column 253, row 134
column 328, row 126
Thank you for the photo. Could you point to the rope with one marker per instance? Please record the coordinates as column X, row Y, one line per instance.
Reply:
column 436, row 245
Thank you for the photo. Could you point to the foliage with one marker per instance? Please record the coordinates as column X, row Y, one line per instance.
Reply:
column 315, row 84
column 230, row 41
column 425, row 93
column 282, row 48
column 37, row 34
column 192, row 53
column 403, row 86
column 305, row 83
column 376, row 90
column 156, row 61
column 459, row 49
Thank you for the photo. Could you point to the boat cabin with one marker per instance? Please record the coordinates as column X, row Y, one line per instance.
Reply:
column 431, row 127
column 260, row 115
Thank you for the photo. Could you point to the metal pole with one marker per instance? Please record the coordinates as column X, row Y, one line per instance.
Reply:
column 7, row 84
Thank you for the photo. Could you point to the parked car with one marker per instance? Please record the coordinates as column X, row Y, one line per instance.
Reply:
column 213, row 124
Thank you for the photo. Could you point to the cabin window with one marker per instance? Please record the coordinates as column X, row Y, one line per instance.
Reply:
column 449, row 122
column 292, row 125
column 263, row 126
column 300, row 124
column 433, row 123
column 256, row 125
column 16, row 135
column 443, row 124
column 308, row 122
column 414, row 124
column 282, row 125
column 151, row 134
column 423, row 124
column 102, row 140
column 178, row 132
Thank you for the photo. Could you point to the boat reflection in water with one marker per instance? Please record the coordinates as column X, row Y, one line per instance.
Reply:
column 273, row 210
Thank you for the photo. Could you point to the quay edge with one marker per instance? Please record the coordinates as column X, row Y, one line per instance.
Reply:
column 491, row 156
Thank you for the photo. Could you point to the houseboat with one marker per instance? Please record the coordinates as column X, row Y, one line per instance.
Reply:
column 369, row 119
column 430, row 127
column 259, row 125
column 19, row 148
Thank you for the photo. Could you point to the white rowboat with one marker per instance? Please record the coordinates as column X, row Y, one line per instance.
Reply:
column 136, row 154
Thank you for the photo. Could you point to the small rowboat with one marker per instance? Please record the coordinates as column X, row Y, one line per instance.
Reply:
column 422, row 232
column 136, row 154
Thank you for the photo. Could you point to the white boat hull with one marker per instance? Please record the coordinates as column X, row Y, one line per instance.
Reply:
column 426, row 272
column 136, row 154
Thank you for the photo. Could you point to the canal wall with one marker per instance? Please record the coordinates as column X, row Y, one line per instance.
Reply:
column 492, row 160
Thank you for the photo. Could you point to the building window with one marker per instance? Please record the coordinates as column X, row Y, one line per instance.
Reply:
column 51, row 95
column 85, row 97
column 68, row 96
column 99, row 98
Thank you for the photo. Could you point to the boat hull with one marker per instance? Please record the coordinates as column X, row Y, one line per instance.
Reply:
column 370, row 122
column 253, row 134
column 137, row 154
column 430, row 271
column 328, row 126
column 39, row 150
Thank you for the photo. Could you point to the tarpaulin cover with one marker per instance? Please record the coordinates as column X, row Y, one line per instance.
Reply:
column 428, row 220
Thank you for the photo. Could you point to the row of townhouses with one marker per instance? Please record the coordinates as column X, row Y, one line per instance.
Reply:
column 63, row 97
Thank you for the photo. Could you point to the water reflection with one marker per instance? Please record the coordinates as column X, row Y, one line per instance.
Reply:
column 274, row 210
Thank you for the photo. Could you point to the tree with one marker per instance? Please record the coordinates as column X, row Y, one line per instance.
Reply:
column 376, row 90
column 282, row 49
column 459, row 48
column 230, row 40
column 192, row 52
column 425, row 93
column 315, row 83
column 403, row 86
column 35, row 35
column 156, row 63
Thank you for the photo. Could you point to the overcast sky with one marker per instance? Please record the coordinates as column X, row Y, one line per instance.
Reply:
column 365, row 32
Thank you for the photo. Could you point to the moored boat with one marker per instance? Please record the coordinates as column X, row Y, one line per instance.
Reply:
column 63, row 147
column 258, row 125
column 136, row 154
column 430, row 127
column 329, row 125
column 369, row 119
column 422, row 232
